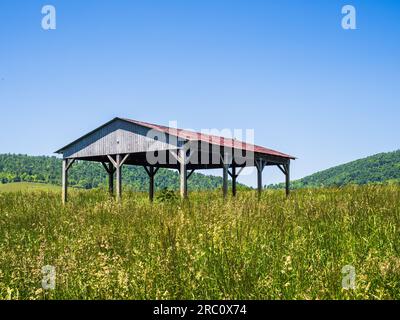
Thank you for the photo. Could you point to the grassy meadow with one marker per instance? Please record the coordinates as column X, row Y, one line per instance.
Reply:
column 27, row 186
column 204, row 248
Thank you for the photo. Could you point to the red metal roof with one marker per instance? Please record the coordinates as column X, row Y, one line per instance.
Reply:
column 224, row 142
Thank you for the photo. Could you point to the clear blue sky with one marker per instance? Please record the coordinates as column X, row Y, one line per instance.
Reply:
column 283, row 68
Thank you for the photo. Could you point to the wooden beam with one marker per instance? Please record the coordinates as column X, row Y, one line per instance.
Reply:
column 147, row 170
column 119, row 177
column 111, row 171
column 112, row 161
column 260, row 164
column 151, row 170
column 225, row 180
column 192, row 152
column 124, row 159
column 105, row 167
column 190, row 173
column 240, row 171
column 151, row 184
column 260, row 167
column 283, row 169
column 234, row 176
column 64, row 180
column 66, row 165
column 117, row 163
column 287, row 178
column 259, row 182
column 69, row 163
column 175, row 155
column 183, row 173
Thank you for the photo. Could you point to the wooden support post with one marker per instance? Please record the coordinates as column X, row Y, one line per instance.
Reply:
column 259, row 182
column 225, row 180
column 183, row 173
column 117, row 163
column 287, row 176
column 234, row 176
column 119, row 177
column 151, row 173
column 225, row 167
column 66, row 164
column 64, row 180
column 151, row 185
column 260, row 168
column 111, row 171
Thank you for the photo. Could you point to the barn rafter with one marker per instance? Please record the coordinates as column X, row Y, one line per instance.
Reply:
column 129, row 142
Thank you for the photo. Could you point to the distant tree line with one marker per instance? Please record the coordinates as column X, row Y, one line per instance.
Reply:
column 43, row 169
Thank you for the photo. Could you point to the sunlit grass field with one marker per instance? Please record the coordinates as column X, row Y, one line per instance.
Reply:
column 27, row 186
column 205, row 248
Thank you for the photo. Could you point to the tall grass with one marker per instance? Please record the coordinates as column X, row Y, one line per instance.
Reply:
column 205, row 248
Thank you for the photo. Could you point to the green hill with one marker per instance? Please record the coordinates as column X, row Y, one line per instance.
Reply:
column 43, row 169
column 379, row 168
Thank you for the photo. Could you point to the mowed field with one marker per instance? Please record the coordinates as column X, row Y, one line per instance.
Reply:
column 27, row 186
column 204, row 248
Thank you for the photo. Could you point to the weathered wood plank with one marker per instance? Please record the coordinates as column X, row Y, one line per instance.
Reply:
column 151, row 185
column 234, row 176
column 111, row 171
column 183, row 173
column 64, row 181
column 118, row 137
column 260, row 167
column 119, row 177
column 287, row 178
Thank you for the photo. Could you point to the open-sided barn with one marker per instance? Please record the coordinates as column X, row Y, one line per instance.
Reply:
column 129, row 142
